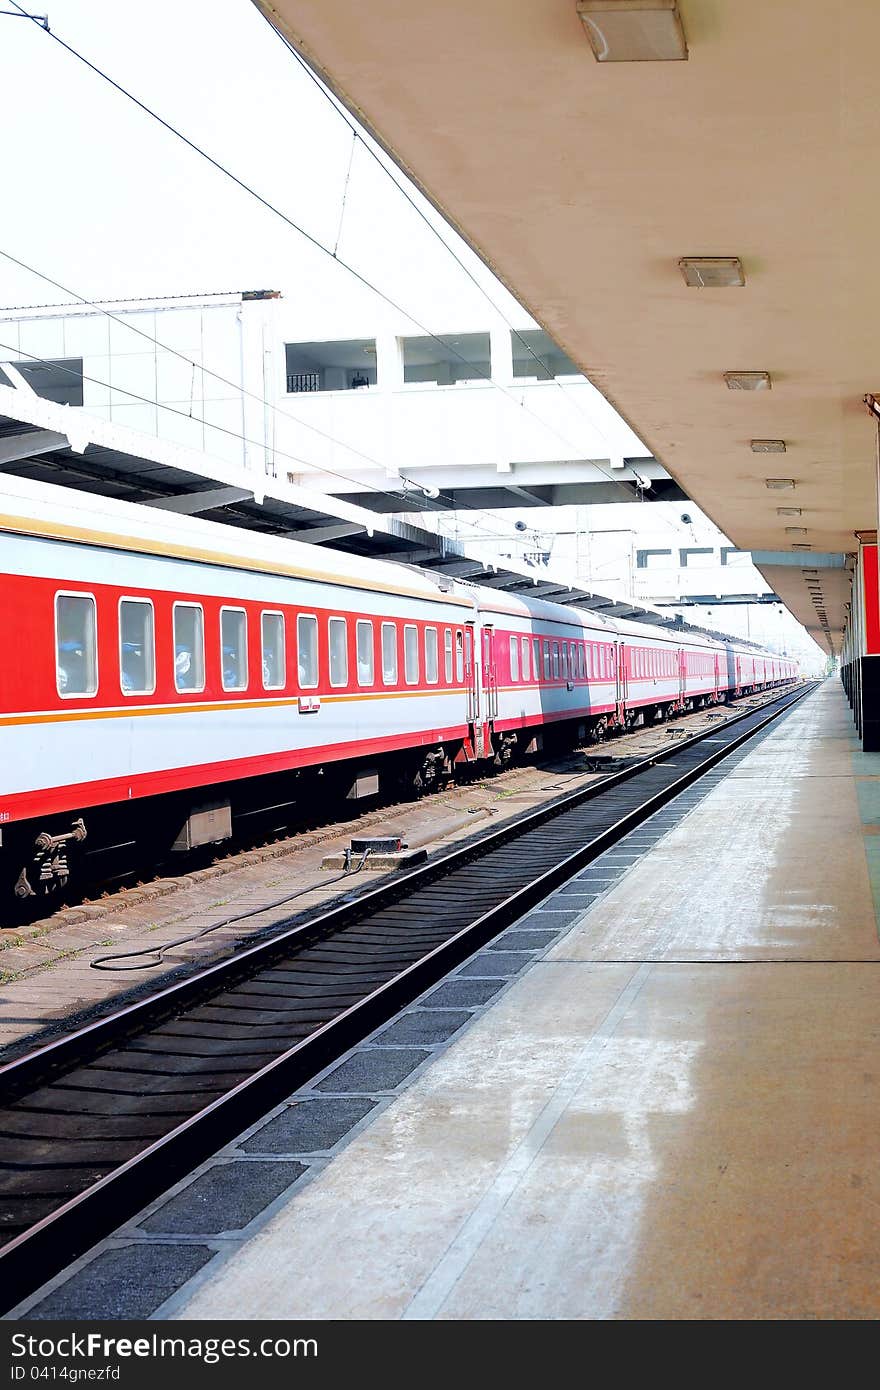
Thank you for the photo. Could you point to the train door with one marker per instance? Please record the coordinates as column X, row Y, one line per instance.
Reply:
column 490, row 674
column 475, row 715
column 622, row 681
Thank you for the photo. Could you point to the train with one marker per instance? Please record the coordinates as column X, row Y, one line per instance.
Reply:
column 166, row 678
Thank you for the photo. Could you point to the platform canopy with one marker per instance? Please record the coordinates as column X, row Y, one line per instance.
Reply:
column 583, row 183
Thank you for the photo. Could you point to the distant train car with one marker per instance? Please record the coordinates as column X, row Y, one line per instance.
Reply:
column 165, row 678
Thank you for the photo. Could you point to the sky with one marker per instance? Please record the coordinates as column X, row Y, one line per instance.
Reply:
column 104, row 200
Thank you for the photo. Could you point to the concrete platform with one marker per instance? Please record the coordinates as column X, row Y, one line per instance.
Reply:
column 657, row 1097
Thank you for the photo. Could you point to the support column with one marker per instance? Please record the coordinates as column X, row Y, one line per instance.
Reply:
column 860, row 658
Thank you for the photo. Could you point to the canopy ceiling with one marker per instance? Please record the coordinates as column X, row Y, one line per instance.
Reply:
column 582, row 184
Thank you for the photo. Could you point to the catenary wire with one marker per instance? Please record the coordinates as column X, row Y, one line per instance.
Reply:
column 221, row 429
column 251, row 395
column 314, row 241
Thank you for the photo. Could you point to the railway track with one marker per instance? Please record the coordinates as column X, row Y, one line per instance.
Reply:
column 100, row 1122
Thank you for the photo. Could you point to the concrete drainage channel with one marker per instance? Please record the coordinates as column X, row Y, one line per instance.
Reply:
column 135, row 1273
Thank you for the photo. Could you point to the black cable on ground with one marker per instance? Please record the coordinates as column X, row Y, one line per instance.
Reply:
column 158, row 952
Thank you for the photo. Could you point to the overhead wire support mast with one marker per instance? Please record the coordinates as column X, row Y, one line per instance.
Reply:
column 312, row 240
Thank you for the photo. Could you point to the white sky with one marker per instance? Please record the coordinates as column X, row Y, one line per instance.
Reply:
column 103, row 199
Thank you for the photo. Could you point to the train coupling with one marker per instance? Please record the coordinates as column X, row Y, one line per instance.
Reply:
column 50, row 865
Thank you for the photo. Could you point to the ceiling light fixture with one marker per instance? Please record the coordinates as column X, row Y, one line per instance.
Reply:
column 747, row 381
column 767, row 446
column 795, row 530
column 633, row 31
column 779, row 484
column 712, row 272
column 801, row 546
column 789, row 511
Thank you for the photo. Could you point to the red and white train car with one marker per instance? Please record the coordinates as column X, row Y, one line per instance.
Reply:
column 164, row 676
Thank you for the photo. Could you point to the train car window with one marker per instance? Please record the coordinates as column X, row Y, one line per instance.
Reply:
column 233, row 648
column 526, row 674
column 364, row 634
column 469, row 652
column 389, row 654
column 459, row 656
column 432, row 660
column 189, row 646
column 536, row 658
column 76, row 644
column 411, row 654
column 447, row 655
column 514, row 659
column 546, row 661
column 565, row 661
column 272, row 653
column 337, row 629
column 307, row 650
column 556, row 661
column 137, row 647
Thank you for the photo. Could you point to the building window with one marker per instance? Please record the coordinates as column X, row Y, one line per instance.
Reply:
column 652, row 559
column 730, row 555
column 338, row 633
column 411, row 654
column 307, row 650
column 189, row 647
column 273, row 654
column 389, row 654
column 336, row 366
column 536, row 355
column 76, row 644
column 364, row 634
column 137, row 651
column 233, row 648
column 447, row 358
column 60, row 380
column 686, row 557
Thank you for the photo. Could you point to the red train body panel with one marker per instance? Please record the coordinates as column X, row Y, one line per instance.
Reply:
column 155, row 655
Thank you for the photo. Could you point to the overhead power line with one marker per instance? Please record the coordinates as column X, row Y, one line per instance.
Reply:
column 312, row 240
